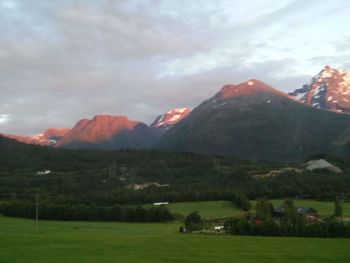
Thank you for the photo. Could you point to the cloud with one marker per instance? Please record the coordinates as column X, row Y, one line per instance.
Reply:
column 61, row 61
column 3, row 118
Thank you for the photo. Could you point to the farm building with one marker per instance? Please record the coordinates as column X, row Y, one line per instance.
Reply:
column 307, row 211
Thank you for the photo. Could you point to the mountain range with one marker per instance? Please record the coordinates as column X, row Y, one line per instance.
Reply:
column 249, row 120
column 107, row 132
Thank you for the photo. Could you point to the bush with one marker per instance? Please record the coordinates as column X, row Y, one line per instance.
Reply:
column 193, row 222
column 241, row 201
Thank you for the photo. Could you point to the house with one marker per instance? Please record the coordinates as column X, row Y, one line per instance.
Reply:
column 302, row 210
column 306, row 211
column 161, row 203
column 278, row 212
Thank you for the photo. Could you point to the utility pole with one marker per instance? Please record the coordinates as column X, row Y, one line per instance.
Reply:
column 37, row 212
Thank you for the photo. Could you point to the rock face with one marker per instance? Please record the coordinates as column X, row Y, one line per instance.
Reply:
column 100, row 128
column 329, row 89
column 110, row 133
column 322, row 165
column 252, row 120
column 50, row 137
column 170, row 118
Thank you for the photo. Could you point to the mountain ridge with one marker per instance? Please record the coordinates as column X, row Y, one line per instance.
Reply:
column 50, row 137
column 110, row 133
column 261, row 125
column 329, row 90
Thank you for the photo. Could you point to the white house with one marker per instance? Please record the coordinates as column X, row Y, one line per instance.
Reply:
column 161, row 203
column 219, row 228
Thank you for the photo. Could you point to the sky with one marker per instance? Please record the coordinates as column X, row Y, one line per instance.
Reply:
column 64, row 60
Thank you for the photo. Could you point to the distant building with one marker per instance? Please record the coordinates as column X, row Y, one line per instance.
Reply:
column 219, row 228
column 43, row 172
column 161, row 203
column 307, row 211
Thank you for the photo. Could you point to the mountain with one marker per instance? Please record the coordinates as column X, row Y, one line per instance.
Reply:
column 50, row 137
column 110, row 133
column 329, row 89
column 170, row 118
column 252, row 120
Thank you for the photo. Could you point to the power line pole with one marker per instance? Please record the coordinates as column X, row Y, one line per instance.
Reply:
column 37, row 212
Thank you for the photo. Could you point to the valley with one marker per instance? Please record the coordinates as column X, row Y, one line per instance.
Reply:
column 174, row 131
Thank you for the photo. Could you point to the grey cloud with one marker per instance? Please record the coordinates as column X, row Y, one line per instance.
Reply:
column 61, row 61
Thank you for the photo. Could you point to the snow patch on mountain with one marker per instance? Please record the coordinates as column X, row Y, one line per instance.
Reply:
column 48, row 138
column 170, row 118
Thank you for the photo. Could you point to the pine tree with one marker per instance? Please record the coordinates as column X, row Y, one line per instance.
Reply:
column 263, row 209
column 338, row 209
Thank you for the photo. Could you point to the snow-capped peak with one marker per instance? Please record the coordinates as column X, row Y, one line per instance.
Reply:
column 329, row 89
column 170, row 118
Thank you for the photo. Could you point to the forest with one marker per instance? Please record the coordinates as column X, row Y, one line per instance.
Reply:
column 85, row 179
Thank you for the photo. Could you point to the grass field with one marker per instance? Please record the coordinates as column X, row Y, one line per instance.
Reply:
column 123, row 242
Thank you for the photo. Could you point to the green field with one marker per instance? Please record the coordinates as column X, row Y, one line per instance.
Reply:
column 207, row 209
column 124, row 242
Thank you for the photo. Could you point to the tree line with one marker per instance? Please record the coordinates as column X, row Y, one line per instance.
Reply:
column 291, row 223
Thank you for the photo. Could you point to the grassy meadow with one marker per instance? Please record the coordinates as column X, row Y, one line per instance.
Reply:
column 126, row 242
column 160, row 242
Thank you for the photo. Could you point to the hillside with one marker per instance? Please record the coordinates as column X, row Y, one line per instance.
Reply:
column 109, row 177
column 255, row 121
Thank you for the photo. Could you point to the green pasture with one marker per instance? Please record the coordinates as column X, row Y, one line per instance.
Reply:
column 125, row 242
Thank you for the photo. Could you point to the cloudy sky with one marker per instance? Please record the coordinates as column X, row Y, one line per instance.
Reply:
column 64, row 60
